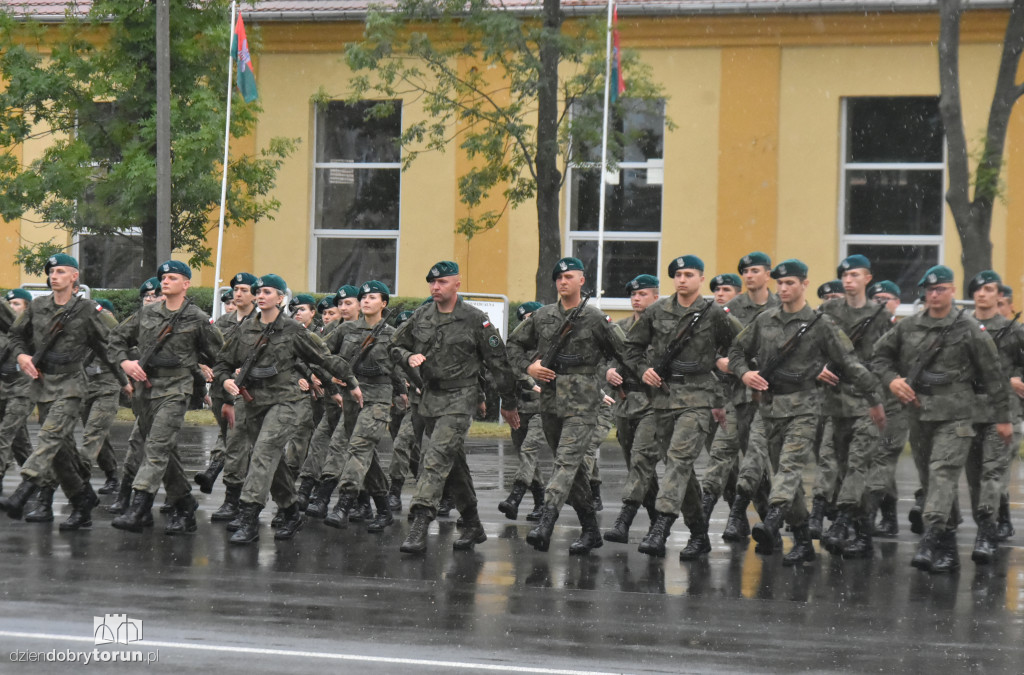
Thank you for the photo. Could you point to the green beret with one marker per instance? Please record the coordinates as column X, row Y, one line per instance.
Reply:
column 527, row 308
column 402, row 318
column 754, row 258
column 18, row 294
column 374, row 287
column 106, row 304
column 853, row 262
column 566, row 264
column 173, row 267
column 1006, row 291
column 60, row 260
column 726, row 280
column 883, row 287
column 151, row 284
column 982, row 278
column 272, row 281
column 346, row 291
column 445, row 268
column 303, row 299
column 940, row 274
column 244, row 278
column 326, row 303
column 227, row 296
column 642, row 281
column 685, row 262
column 829, row 287
column 790, row 268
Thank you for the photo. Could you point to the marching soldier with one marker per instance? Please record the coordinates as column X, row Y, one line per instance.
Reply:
column 405, row 452
column 16, row 391
column 99, row 410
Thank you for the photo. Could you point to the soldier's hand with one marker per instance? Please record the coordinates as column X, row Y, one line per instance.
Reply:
column 753, row 379
column 511, row 416
column 723, row 365
column 207, row 372
column 27, row 367
column 337, row 398
column 230, row 387
column 416, row 360
column 404, row 398
column 877, row 413
column 902, row 390
column 1005, row 431
column 227, row 411
column 316, row 381
column 828, row 377
column 719, row 415
column 651, row 378
column 133, row 370
column 303, row 384
column 481, row 409
column 536, row 388
column 357, row 394
column 1018, row 386
column 613, row 377
column 608, row 400
column 128, row 390
column 539, row 372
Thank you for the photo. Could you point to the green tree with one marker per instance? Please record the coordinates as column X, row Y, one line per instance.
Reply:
column 89, row 87
column 533, row 87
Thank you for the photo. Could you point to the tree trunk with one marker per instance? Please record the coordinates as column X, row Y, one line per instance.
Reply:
column 548, row 175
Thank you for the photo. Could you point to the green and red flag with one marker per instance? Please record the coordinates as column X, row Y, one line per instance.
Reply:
column 245, row 76
column 618, row 84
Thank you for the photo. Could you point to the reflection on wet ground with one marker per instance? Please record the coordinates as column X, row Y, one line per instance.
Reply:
column 349, row 592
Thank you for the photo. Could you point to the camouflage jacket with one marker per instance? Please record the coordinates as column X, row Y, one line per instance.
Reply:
column 272, row 377
column 794, row 390
column 744, row 310
column 693, row 383
column 62, row 374
column 13, row 383
column 377, row 373
column 456, row 345
column 1010, row 343
column 594, row 340
column 637, row 401
column 844, row 400
column 192, row 341
column 103, row 379
column 966, row 359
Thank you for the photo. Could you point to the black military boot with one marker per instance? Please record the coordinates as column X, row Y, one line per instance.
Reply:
column 444, row 509
column 83, row 502
column 472, row 531
column 383, row 519
column 815, row 523
column 916, row 515
column 654, row 542
column 306, row 487
column 590, row 537
column 362, row 510
column 737, row 528
column 1004, row 528
column 207, row 478
column 183, row 518
column 124, row 498
column 110, row 486
column 947, row 558
column 699, row 543
column 860, row 545
column 835, row 539
column 249, row 527
column 293, row 520
column 338, row 518
column 133, row 520
column 229, row 509
column 278, row 519
column 15, row 504
column 42, row 512
column 888, row 523
column 595, row 489
column 926, row 550
column 803, row 547
column 620, row 530
column 416, row 541
column 985, row 544
column 318, row 504
column 708, row 501
column 510, row 507
column 766, row 533
column 540, row 536
column 395, row 495
column 537, row 490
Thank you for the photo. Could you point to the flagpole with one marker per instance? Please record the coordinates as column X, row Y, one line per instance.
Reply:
column 224, row 174
column 599, row 286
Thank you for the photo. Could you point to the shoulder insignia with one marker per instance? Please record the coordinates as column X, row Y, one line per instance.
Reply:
column 99, row 308
column 981, row 326
column 726, row 309
column 494, row 341
column 487, row 324
column 607, row 318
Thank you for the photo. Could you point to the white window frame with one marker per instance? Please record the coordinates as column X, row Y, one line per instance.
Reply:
column 323, row 233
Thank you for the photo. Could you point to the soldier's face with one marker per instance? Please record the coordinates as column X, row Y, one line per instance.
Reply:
column 229, row 306
column 856, row 281
column 642, row 298
column 244, row 297
column 890, row 301
column 372, row 304
column 268, row 298
column 18, row 305
column 723, row 294
column 331, row 314
column 1006, row 306
column 444, row 289
column 150, row 297
column 756, row 277
column 688, row 282
column 173, row 284
column 348, row 309
column 303, row 314
column 987, row 296
column 939, row 297
column 791, row 289
column 569, row 283
column 62, row 277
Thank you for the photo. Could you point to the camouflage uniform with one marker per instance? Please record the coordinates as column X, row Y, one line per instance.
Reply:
column 16, row 402
column 236, row 446
column 99, row 410
column 405, row 453
column 529, row 437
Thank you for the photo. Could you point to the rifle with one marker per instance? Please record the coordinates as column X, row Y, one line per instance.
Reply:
column 664, row 365
column 998, row 337
column 930, row 353
column 550, row 358
column 161, row 339
column 56, row 329
column 857, row 334
column 369, row 341
column 242, row 379
column 787, row 348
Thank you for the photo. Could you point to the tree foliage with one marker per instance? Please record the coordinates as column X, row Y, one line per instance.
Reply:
column 88, row 87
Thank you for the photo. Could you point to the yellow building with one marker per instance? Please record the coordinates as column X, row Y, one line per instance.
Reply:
column 805, row 130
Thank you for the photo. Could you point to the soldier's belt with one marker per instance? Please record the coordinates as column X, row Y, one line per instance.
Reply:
column 783, row 388
column 60, row 359
column 9, row 368
column 167, row 372
column 945, row 389
column 691, row 378
column 373, row 379
column 60, row 368
column 447, row 385
column 576, row 370
column 527, row 395
column 263, row 372
column 633, row 386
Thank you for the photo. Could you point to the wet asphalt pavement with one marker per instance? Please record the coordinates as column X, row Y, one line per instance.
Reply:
column 348, row 601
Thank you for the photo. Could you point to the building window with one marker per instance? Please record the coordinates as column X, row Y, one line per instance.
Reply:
column 357, row 188
column 633, row 204
column 891, row 204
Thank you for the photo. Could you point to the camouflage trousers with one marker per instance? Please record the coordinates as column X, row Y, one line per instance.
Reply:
column 828, row 474
column 942, row 447
column 136, row 452
column 683, row 434
column 267, row 430
column 723, row 454
column 638, row 438
column 856, row 444
column 790, row 448
column 987, row 463
column 298, row 445
column 592, row 461
column 98, row 414
column 405, row 453
column 237, row 447
column 1013, row 451
column 160, row 421
column 444, row 460
column 217, row 402
column 754, row 477
column 313, row 467
column 352, row 456
column 527, row 440
column 892, row 441
column 571, row 437
column 56, row 459
column 15, row 443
